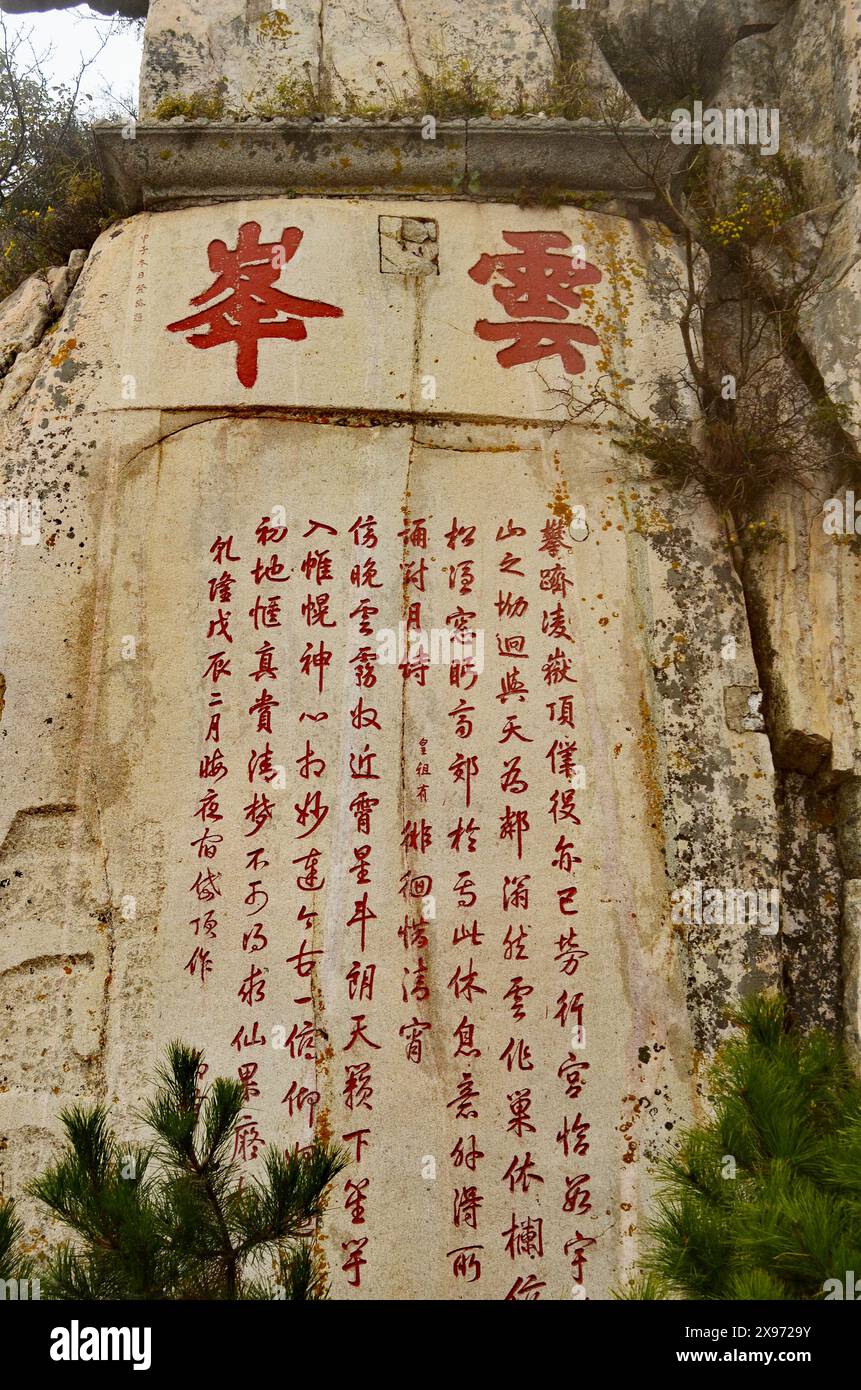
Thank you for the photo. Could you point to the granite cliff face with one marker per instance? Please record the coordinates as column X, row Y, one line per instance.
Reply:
column 668, row 698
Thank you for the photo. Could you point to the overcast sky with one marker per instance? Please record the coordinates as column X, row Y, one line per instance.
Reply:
column 65, row 35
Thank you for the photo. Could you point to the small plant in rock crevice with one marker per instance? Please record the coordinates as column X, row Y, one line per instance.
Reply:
column 209, row 104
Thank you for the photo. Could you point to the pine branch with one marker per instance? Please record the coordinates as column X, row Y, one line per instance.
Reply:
column 765, row 1201
column 290, row 1197
column 179, row 1220
column 13, row 1263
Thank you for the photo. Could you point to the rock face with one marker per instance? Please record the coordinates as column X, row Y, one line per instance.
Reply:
column 372, row 721
column 365, row 51
column 806, row 66
column 24, row 318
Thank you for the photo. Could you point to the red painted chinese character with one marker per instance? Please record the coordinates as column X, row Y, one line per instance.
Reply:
column 200, row 964
column 466, row 1154
column 519, row 1174
column 467, row 1202
column 576, row 1251
column 414, row 1042
column 247, row 1140
column 355, row 1261
column 466, row 1094
column 525, row 1237
column 249, row 307
column 520, row 1105
column 465, row 1263
column 299, row 1096
column 577, row 1195
column 356, row 1195
column 540, row 286
column 526, row 1290
column 571, row 1073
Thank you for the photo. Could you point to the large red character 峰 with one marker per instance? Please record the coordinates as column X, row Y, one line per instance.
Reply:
column 541, row 290
column 252, row 307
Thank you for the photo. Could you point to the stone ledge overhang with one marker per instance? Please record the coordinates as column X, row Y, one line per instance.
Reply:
column 130, row 9
column 178, row 163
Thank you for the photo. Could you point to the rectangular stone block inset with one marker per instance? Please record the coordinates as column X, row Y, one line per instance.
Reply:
column 409, row 246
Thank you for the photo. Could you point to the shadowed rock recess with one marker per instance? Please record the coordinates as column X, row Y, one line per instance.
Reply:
column 430, row 675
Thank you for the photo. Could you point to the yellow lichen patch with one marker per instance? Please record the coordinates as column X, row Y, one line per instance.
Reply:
column 679, row 762
column 560, row 505
column 648, row 744
column 64, row 352
column 620, row 275
column 275, row 25
column 645, row 517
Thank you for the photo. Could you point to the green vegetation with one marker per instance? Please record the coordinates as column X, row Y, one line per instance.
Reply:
column 763, row 1202
column 172, row 1220
column 209, row 104
column 764, row 420
column 51, row 198
column 453, row 89
column 735, row 461
column 756, row 212
column 14, row 1264
column 456, row 89
column 569, row 92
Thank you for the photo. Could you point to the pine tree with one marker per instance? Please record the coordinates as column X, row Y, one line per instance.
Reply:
column 764, row 1202
column 173, row 1220
column 14, row 1264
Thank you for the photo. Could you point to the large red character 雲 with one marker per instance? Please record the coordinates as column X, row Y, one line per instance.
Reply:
column 540, row 291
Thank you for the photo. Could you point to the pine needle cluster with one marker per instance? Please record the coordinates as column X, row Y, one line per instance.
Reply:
column 14, row 1264
column 176, row 1219
column 765, row 1201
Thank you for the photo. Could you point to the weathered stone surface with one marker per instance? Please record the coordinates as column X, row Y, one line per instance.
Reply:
column 191, row 48
column 148, row 427
column 36, row 303
column 55, row 969
column 23, row 372
column 374, row 42
column 852, row 964
column 812, row 921
column 142, row 450
column 716, row 811
column 409, row 246
column 741, row 13
column 24, row 316
column 743, row 705
column 364, row 50
column 849, row 827
column 529, row 161
column 799, row 584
